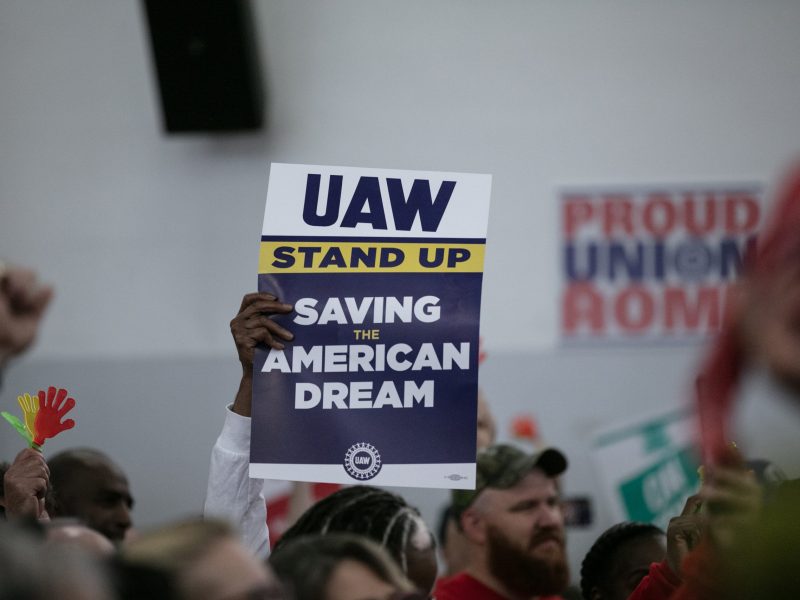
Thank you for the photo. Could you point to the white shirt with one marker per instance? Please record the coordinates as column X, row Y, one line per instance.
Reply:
column 231, row 494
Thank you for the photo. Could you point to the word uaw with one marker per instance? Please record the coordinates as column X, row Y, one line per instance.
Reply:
column 367, row 205
column 362, row 357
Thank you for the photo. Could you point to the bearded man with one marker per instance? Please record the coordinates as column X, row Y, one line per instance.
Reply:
column 514, row 529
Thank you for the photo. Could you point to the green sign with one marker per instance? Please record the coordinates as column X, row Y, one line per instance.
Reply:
column 659, row 491
column 648, row 466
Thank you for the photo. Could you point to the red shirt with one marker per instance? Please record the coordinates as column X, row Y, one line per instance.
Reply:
column 465, row 587
column 701, row 574
column 659, row 584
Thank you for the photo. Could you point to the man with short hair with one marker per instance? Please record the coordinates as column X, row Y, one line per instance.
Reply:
column 514, row 528
column 88, row 485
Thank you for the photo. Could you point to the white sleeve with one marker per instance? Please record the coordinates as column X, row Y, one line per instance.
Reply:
column 231, row 494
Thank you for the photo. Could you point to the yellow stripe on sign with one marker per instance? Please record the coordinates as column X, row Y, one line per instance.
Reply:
column 369, row 257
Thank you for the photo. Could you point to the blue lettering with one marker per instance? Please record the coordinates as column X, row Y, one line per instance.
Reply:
column 333, row 257
column 732, row 257
column 457, row 255
column 365, row 257
column 368, row 192
column 283, row 257
column 632, row 263
column 438, row 257
column 391, row 257
column 310, row 207
column 419, row 202
column 693, row 259
column 309, row 252
column 572, row 271
column 659, row 261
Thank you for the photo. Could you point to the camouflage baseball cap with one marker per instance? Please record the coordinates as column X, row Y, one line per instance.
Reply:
column 501, row 466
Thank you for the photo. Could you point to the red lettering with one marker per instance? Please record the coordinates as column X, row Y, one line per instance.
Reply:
column 700, row 315
column 578, row 210
column 659, row 215
column 582, row 306
column 617, row 214
column 637, row 310
column 691, row 208
column 741, row 214
column 634, row 309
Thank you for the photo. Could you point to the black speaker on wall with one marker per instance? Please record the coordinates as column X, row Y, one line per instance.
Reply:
column 207, row 64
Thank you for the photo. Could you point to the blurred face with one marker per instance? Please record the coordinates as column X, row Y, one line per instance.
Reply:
column 351, row 580
column 631, row 563
column 524, row 536
column 227, row 571
column 100, row 497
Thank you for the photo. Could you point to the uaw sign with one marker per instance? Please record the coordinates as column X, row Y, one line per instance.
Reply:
column 384, row 269
column 652, row 263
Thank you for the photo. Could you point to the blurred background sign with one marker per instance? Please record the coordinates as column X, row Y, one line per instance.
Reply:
column 648, row 468
column 652, row 263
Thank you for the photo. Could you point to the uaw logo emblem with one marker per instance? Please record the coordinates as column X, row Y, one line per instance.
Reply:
column 362, row 461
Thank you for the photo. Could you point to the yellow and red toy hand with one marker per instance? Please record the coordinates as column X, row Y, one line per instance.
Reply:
column 43, row 414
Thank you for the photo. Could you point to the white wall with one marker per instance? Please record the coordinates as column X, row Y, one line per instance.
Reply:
column 151, row 240
column 537, row 93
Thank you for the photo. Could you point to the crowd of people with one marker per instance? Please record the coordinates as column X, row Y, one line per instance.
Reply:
column 66, row 530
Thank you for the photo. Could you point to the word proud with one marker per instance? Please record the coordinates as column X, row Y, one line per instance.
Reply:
column 659, row 214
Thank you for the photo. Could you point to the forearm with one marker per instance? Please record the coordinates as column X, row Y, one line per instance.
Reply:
column 231, row 493
column 242, row 404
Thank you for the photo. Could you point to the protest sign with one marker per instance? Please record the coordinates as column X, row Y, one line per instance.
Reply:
column 652, row 263
column 648, row 467
column 384, row 269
